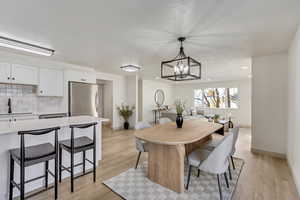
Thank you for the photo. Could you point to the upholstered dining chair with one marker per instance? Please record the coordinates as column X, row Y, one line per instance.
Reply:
column 164, row 120
column 210, row 145
column 141, row 145
column 214, row 162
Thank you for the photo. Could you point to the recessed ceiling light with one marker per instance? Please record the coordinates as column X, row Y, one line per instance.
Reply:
column 244, row 67
column 130, row 68
column 24, row 46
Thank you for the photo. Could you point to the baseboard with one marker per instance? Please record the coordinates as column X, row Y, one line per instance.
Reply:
column 269, row 153
column 296, row 181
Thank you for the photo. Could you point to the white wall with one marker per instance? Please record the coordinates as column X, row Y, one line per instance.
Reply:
column 132, row 97
column 242, row 115
column 148, row 89
column 119, row 95
column 269, row 103
column 293, row 111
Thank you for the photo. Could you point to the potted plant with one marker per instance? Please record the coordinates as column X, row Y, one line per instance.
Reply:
column 126, row 112
column 216, row 118
column 180, row 106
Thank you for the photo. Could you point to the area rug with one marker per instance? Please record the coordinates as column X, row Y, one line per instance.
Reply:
column 133, row 184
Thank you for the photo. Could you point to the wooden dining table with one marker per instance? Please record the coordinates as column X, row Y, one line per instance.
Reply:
column 167, row 147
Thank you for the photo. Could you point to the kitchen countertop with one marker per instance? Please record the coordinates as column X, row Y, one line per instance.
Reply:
column 24, row 125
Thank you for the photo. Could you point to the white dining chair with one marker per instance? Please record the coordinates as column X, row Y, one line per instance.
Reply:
column 213, row 162
column 164, row 120
column 141, row 145
column 210, row 145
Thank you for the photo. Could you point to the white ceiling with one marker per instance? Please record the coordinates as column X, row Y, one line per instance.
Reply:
column 223, row 34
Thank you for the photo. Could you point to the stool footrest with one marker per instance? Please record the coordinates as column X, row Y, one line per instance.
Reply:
column 89, row 161
column 68, row 168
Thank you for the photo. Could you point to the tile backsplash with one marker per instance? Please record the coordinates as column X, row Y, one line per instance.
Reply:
column 25, row 100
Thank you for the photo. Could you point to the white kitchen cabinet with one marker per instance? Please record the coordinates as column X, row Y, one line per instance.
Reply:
column 5, row 72
column 6, row 119
column 15, row 118
column 22, row 74
column 50, row 82
column 81, row 76
column 25, row 117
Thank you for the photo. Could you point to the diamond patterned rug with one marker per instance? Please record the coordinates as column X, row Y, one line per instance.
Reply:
column 134, row 185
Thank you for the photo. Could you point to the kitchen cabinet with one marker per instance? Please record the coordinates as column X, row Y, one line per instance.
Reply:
column 14, row 118
column 18, row 74
column 50, row 82
column 5, row 72
column 22, row 74
column 81, row 76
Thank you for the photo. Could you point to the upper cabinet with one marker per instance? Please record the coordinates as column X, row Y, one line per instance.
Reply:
column 81, row 76
column 5, row 72
column 18, row 74
column 50, row 82
column 22, row 74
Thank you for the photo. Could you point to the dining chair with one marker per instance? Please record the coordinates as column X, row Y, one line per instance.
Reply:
column 164, row 120
column 141, row 145
column 210, row 145
column 213, row 162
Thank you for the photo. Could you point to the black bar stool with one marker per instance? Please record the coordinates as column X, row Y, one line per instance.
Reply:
column 28, row 156
column 77, row 145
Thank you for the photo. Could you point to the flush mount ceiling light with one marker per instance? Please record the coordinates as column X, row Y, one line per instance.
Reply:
column 182, row 67
column 24, row 46
column 130, row 68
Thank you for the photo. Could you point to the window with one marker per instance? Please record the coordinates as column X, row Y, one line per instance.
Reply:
column 216, row 98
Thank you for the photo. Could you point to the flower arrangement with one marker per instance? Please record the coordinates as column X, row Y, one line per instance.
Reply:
column 125, row 111
column 180, row 106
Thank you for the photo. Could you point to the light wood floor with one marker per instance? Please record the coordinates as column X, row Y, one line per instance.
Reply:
column 263, row 177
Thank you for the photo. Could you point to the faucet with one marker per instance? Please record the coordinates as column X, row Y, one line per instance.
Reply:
column 9, row 105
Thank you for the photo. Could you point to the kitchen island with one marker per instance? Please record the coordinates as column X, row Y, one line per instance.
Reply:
column 10, row 139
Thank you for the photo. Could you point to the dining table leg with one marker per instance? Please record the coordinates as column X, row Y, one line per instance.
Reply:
column 166, row 165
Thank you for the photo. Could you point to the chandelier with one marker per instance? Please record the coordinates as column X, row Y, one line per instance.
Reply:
column 182, row 67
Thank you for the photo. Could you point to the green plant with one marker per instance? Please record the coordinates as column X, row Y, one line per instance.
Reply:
column 216, row 118
column 180, row 106
column 125, row 111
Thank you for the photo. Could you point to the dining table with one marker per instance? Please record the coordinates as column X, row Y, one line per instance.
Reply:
column 168, row 146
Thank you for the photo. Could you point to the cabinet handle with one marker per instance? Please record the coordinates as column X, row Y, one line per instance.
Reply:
column 9, row 120
column 8, row 78
column 41, row 91
column 13, row 78
column 15, row 119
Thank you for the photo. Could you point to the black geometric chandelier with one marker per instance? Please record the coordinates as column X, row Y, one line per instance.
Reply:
column 182, row 67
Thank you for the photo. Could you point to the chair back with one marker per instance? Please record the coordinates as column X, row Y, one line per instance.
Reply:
column 38, row 131
column 141, row 125
column 235, row 132
column 164, row 120
column 82, row 126
column 217, row 162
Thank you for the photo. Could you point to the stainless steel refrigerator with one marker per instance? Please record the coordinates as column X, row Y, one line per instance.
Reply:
column 83, row 99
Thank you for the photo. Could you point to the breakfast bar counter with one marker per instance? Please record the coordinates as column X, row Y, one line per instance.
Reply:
column 10, row 139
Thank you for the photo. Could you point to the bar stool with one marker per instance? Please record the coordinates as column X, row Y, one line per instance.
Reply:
column 77, row 145
column 32, row 155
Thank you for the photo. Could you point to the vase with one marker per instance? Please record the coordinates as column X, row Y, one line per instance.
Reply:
column 179, row 120
column 126, row 125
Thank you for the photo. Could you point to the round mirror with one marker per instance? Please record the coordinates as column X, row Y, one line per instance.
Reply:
column 159, row 97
